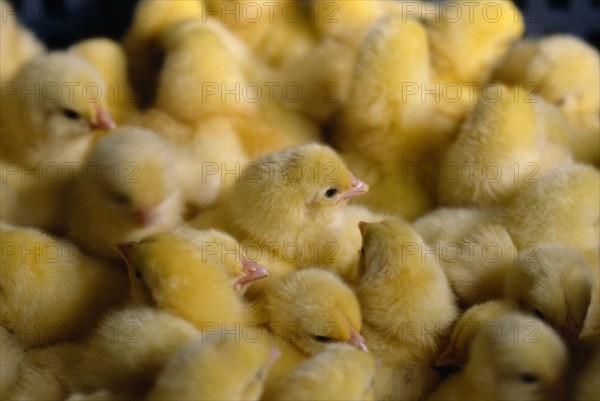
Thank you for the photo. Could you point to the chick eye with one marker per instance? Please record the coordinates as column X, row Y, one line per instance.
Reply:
column 331, row 192
column 539, row 314
column 120, row 199
column 528, row 378
column 70, row 114
column 323, row 339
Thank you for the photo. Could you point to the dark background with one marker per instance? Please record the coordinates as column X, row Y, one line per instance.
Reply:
column 60, row 23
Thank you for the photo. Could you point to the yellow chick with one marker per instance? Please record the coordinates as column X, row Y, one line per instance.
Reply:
column 338, row 372
column 126, row 191
column 141, row 41
column 407, row 307
column 468, row 40
column 547, row 65
column 50, row 109
column 521, row 358
column 51, row 291
column 12, row 354
column 473, row 248
column 554, row 283
column 109, row 58
column 498, row 151
column 213, row 368
column 128, row 350
column 328, row 310
column 174, row 274
column 298, row 200
column 18, row 45
column 561, row 206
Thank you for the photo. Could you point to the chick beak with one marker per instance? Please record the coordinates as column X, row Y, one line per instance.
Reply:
column 146, row 216
column 357, row 340
column 252, row 272
column 101, row 120
column 569, row 331
column 359, row 187
column 450, row 357
column 362, row 226
column 125, row 250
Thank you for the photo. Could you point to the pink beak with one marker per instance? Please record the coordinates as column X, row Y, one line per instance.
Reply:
column 451, row 357
column 359, row 187
column 253, row 271
column 357, row 340
column 125, row 249
column 146, row 216
column 362, row 226
column 102, row 120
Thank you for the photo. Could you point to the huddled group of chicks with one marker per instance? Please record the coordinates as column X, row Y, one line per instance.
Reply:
column 301, row 200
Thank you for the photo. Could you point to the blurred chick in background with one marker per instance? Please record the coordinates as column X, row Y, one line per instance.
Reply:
column 52, row 292
column 17, row 44
column 339, row 372
column 214, row 369
column 407, row 308
column 524, row 360
column 298, row 197
column 126, row 191
column 563, row 70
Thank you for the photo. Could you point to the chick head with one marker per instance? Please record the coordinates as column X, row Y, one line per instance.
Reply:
column 131, row 176
column 213, row 369
column 68, row 100
column 293, row 189
column 554, row 283
column 223, row 248
column 313, row 307
column 518, row 358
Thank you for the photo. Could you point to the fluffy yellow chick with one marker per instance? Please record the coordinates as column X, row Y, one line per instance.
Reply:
column 175, row 274
column 338, row 372
column 548, row 65
column 141, row 41
column 521, row 358
column 212, row 368
column 473, row 248
column 18, row 45
column 468, row 40
column 50, row 109
column 498, row 151
column 109, row 58
column 51, row 291
column 561, row 206
column 126, row 191
column 298, row 200
column 554, row 283
column 407, row 307
column 12, row 353
column 128, row 350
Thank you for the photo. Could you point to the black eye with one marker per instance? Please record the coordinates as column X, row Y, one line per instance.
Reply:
column 70, row 114
column 138, row 274
column 331, row 192
column 528, row 378
column 323, row 339
column 362, row 252
column 539, row 314
column 120, row 199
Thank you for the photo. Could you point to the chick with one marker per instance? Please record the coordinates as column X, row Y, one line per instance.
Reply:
column 18, row 45
column 547, row 63
column 554, row 283
column 521, row 359
column 109, row 58
column 176, row 275
column 50, row 109
column 51, row 291
column 467, row 41
column 473, row 248
column 497, row 152
column 125, row 192
column 561, row 206
column 12, row 353
column 141, row 41
column 128, row 350
column 407, row 308
column 338, row 372
column 213, row 369
column 298, row 199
